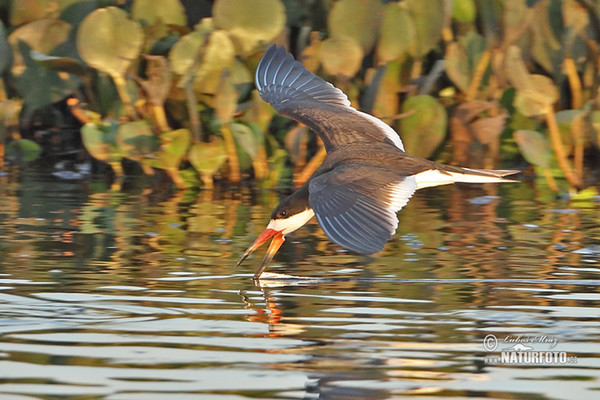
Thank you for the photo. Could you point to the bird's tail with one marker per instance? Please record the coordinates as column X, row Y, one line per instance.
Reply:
column 448, row 175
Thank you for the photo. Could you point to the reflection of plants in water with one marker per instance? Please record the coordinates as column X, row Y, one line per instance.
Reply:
column 171, row 92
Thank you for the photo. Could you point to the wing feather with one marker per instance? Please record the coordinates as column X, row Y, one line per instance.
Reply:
column 297, row 93
column 356, row 207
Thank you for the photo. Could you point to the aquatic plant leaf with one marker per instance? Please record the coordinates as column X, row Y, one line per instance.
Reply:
column 542, row 90
column 9, row 116
column 136, row 139
column 245, row 138
column 464, row 10
column 457, row 65
column 23, row 150
column 208, row 158
column 358, row 19
column 260, row 112
column 478, row 119
column 545, row 48
column 423, row 130
column 226, row 98
column 5, row 51
column 109, row 41
column 219, row 54
column 340, row 55
column 295, row 143
column 575, row 17
column 250, row 23
column 429, row 20
column 42, row 35
column 175, row 145
column 39, row 86
column 153, row 11
column 535, row 147
column 23, row 11
column 515, row 69
column 538, row 95
column 386, row 97
column 100, row 140
column 64, row 64
column 565, row 120
column 595, row 119
column 397, row 33
column 184, row 52
column 526, row 106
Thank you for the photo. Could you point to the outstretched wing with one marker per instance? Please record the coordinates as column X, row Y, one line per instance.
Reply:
column 356, row 206
column 295, row 92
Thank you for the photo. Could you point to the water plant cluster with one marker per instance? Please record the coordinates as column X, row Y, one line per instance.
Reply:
column 169, row 83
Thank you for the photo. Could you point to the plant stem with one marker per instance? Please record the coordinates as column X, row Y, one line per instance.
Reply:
column 161, row 118
column 176, row 178
column 208, row 181
column 312, row 166
column 121, row 86
column 550, row 179
column 574, row 82
column 478, row 75
column 577, row 131
column 559, row 150
column 232, row 156
column 192, row 104
column 261, row 168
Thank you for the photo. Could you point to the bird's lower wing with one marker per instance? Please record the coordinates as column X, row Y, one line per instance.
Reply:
column 356, row 207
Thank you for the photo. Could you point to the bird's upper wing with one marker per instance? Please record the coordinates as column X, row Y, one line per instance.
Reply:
column 356, row 206
column 295, row 92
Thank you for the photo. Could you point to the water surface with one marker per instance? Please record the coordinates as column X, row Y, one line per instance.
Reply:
column 131, row 295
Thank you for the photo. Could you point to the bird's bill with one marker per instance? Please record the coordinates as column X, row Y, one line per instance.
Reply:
column 276, row 243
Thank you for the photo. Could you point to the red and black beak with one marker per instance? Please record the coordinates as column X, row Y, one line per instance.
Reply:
column 276, row 243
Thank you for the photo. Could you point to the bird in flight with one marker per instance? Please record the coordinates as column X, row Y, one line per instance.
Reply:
column 366, row 178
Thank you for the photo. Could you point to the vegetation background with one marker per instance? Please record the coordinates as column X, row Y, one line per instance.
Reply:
column 169, row 83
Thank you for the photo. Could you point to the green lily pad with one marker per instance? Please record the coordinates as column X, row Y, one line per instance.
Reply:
column 429, row 19
column 425, row 129
column 42, row 35
column 109, row 41
column 136, row 140
column 464, row 10
column 24, row 11
column 175, row 145
column 153, row 11
column 100, row 140
column 340, row 55
column 535, row 147
column 184, row 52
column 23, row 150
column 250, row 23
column 457, row 65
column 39, row 86
column 246, row 139
column 397, row 33
column 208, row 158
column 516, row 70
column 226, row 98
column 357, row 19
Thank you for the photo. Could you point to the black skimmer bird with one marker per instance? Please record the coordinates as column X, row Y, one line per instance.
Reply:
column 366, row 178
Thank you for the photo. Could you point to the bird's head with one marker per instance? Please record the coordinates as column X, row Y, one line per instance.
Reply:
column 288, row 216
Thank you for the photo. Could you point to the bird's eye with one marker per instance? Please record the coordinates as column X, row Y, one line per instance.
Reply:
column 283, row 213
